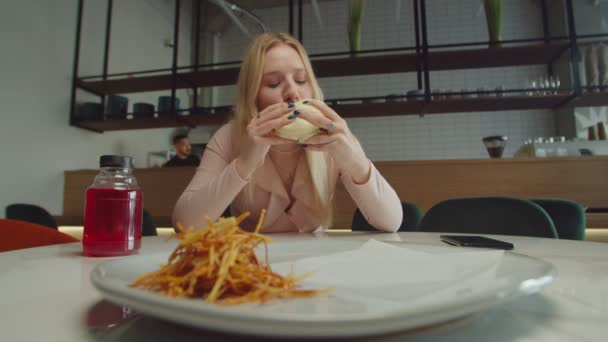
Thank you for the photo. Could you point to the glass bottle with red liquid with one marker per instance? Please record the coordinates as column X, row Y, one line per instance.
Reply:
column 113, row 210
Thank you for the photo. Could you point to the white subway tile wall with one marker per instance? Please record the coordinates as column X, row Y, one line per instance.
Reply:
column 434, row 136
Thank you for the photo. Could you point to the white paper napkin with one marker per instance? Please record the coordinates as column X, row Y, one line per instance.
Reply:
column 389, row 272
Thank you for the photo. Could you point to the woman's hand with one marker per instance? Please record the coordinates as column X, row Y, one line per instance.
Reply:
column 338, row 141
column 260, row 137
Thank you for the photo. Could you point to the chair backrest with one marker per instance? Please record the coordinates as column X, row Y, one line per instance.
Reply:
column 21, row 234
column 489, row 215
column 30, row 213
column 411, row 219
column 148, row 226
column 568, row 217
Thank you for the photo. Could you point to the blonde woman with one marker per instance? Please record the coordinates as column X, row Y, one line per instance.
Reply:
column 248, row 168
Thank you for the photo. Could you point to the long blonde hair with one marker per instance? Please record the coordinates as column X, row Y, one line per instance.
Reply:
column 247, row 88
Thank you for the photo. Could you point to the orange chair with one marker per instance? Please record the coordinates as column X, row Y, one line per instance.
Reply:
column 21, row 234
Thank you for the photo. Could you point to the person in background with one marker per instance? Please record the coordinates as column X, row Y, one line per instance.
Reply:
column 247, row 167
column 183, row 156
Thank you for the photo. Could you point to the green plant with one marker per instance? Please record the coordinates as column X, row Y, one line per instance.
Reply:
column 493, row 9
column 355, row 9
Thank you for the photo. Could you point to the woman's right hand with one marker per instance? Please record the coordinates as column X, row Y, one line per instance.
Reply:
column 260, row 136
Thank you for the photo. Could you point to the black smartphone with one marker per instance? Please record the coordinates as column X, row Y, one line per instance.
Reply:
column 475, row 241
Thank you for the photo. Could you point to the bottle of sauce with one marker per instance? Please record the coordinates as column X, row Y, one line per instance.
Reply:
column 113, row 210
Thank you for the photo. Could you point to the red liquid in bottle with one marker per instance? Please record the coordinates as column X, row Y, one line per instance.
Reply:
column 112, row 223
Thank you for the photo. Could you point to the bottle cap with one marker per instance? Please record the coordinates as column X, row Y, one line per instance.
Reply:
column 116, row 161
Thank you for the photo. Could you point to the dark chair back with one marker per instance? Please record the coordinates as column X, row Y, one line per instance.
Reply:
column 30, row 213
column 411, row 219
column 489, row 215
column 148, row 226
column 568, row 217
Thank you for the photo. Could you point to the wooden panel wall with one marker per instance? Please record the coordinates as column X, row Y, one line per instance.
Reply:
column 424, row 183
column 161, row 188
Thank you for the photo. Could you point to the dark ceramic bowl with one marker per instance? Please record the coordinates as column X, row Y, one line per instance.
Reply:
column 495, row 145
column 116, row 107
column 143, row 110
column 89, row 111
column 164, row 106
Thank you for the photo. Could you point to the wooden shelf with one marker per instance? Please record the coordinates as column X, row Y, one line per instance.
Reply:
column 132, row 84
column 486, row 104
column 496, row 57
column 345, row 66
column 592, row 99
column 161, row 122
column 415, row 107
column 483, row 104
column 365, row 65
column 129, row 124
column 356, row 110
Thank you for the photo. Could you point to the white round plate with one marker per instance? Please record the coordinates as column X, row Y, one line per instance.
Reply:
column 350, row 311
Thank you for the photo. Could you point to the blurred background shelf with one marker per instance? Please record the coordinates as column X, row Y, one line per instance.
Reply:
column 484, row 104
column 147, row 123
column 556, row 49
column 129, row 124
column 353, row 110
column 496, row 57
column 384, row 63
column 591, row 99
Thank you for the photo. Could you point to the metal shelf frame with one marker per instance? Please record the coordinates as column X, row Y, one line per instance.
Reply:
column 423, row 58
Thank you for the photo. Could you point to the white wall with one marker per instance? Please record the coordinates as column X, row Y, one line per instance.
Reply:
column 439, row 136
column 139, row 29
column 36, row 142
column 589, row 17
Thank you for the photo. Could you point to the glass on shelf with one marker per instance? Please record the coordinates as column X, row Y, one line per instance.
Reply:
column 544, row 85
column 437, row 94
column 533, row 88
column 449, row 94
column 466, row 93
column 554, row 83
column 500, row 91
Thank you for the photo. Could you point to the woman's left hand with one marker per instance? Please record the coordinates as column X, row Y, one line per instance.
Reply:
column 338, row 141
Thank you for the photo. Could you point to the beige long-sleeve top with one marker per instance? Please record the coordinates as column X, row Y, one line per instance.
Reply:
column 216, row 184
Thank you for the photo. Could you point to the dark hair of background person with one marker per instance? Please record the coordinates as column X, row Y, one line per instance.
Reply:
column 179, row 137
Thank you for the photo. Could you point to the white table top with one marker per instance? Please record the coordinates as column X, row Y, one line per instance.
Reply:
column 47, row 296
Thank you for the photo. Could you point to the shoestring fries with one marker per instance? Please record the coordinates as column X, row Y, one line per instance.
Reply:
column 218, row 264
